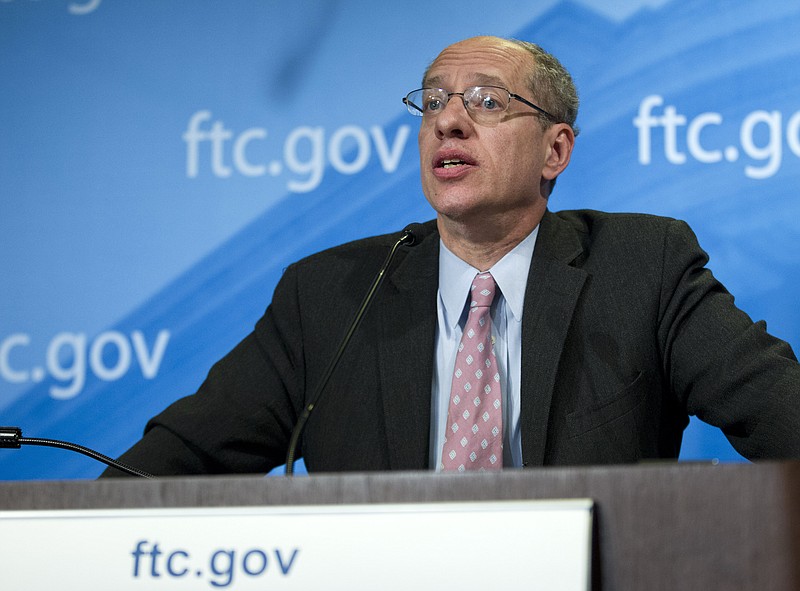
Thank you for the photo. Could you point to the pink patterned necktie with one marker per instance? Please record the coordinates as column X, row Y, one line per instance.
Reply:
column 474, row 433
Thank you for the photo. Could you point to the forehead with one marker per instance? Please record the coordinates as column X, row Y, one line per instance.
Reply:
column 480, row 61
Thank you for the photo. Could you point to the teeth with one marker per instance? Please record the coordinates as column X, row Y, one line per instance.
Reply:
column 451, row 163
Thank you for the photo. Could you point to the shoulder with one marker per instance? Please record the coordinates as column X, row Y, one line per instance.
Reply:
column 589, row 221
column 356, row 261
column 623, row 230
column 640, row 243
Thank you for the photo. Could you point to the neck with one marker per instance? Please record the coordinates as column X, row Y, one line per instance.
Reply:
column 483, row 244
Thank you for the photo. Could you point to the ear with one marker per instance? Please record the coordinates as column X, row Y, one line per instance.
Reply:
column 560, row 140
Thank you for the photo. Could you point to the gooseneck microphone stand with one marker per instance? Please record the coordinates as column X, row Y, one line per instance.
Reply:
column 11, row 438
column 409, row 238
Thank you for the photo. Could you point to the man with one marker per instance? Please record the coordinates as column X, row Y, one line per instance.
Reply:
column 600, row 333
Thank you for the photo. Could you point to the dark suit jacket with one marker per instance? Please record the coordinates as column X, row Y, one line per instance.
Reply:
column 625, row 334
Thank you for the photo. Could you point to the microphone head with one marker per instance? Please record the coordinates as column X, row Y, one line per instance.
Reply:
column 412, row 234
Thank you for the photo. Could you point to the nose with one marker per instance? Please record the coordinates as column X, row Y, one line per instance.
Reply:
column 453, row 120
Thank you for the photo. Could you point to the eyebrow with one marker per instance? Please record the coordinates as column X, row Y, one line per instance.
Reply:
column 479, row 80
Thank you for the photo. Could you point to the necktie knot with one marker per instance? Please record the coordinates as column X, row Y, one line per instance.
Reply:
column 482, row 291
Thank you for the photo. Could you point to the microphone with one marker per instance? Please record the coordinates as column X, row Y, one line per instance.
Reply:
column 411, row 235
column 11, row 438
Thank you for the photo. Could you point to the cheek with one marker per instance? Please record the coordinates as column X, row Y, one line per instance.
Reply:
column 426, row 151
column 424, row 138
column 518, row 177
column 528, row 164
column 427, row 180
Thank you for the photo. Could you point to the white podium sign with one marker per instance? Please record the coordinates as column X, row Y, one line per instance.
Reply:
column 505, row 544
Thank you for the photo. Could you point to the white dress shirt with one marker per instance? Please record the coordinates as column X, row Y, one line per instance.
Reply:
column 455, row 279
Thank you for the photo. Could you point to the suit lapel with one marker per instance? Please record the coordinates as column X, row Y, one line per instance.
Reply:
column 407, row 321
column 408, row 325
column 550, row 298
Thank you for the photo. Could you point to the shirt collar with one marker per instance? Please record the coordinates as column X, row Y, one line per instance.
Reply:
column 510, row 273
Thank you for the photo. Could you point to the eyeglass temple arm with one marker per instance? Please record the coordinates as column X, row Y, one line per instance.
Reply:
column 408, row 103
column 552, row 118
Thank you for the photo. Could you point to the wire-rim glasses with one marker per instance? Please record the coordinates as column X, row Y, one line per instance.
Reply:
column 485, row 104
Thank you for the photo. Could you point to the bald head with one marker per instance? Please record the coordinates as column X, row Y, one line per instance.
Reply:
column 549, row 84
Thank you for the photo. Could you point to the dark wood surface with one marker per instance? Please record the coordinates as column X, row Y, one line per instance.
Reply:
column 658, row 526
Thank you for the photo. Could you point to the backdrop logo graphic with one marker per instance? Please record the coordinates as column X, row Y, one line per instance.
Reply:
column 306, row 151
column 76, row 8
column 761, row 137
column 86, row 8
column 69, row 355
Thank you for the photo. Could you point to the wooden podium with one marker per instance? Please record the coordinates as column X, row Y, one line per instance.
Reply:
column 657, row 526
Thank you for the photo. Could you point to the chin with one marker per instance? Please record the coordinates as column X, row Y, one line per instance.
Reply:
column 455, row 198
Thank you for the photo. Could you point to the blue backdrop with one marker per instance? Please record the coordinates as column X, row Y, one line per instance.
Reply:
column 162, row 162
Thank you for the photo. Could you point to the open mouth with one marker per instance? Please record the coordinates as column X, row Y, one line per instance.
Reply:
column 450, row 163
column 453, row 160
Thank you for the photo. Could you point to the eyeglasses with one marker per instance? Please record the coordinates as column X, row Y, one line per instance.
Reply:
column 485, row 104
